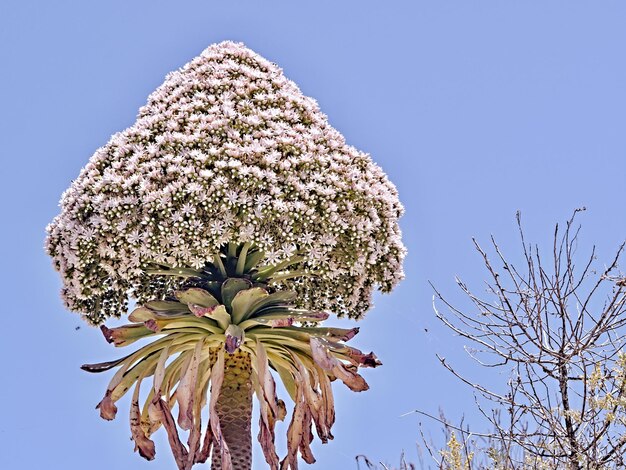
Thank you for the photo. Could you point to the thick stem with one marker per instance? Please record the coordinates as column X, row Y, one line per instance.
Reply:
column 234, row 408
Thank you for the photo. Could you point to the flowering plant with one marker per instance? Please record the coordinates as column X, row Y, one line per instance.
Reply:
column 227, row 150
column 235, row 216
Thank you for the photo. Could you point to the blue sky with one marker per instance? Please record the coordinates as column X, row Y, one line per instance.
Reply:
column 474, row 109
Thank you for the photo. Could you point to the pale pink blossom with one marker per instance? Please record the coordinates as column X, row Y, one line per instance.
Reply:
column 212, row 160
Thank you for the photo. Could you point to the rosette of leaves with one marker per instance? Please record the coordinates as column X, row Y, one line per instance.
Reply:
column 227, row 150
column 221, row 337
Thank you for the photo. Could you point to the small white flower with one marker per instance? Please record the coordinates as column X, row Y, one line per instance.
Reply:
column 134, row 237
column 273, row 257
column 307, row 238
column 188, row 209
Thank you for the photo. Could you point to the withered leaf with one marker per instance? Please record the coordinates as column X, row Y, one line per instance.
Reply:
column 185, row 391
column 107, row 407
column 143, row 444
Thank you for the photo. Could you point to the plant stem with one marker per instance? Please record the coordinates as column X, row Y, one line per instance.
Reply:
column 234, row 408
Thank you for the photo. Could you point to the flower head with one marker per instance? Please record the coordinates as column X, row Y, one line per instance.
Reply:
column 227, row 150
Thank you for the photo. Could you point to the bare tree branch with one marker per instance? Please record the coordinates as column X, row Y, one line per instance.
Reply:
column 558, row 327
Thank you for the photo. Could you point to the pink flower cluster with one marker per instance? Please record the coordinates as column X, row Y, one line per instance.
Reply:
column 227, row 150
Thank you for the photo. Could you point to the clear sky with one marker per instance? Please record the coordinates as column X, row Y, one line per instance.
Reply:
column 474, row 109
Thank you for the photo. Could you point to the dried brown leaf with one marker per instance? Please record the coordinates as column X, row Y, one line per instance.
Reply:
column 318, row 404
column 280, row 322
column 143, row 444
column 178, row 449
column 266, row 425
column 153, row 419
column 324, row 358
column 159, row 372
column 152, row 325
column 282, row 410
column 200, row 311
column 355, row 356
column 328, row 399
column 205, row 451
column 107, row 407
column 295, row 432
column 266, row 381
column 125, row 335
column 313, row 400
column 354, row 381
column 266, row 439
column 307, row 438
column 185, row 392
column 193, row 443
column 321, row 355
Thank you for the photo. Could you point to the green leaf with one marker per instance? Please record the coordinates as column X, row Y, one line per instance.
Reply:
column 143, row 367
column 217, row 261
column 167, row 306
column 253, row 259
column 282, row 276
column 271, row 322
column 285, row 369
column 190, row 321
column 165, row 270
column 219, row 314
column 141, row 314
column 241, row 262
column 214, row 288
column 267, row 272
column 281, row 298
column 196, row 296
column 298, row 314
column 283, row 317
column 231, row 287
column 244, row 300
